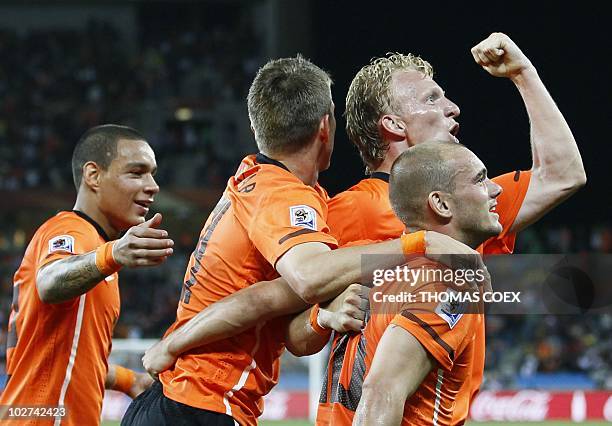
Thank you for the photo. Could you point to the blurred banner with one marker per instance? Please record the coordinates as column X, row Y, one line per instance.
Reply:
column 502, row 406
column 535, row 405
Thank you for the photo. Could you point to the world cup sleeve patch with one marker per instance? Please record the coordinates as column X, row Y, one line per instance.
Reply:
column 452, row 309
column 61, row 243
column 304, row 217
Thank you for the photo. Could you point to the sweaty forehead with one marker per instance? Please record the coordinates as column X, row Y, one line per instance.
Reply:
column 411, row 82
column 409, row 86
column 468, row 164
column 134, row 151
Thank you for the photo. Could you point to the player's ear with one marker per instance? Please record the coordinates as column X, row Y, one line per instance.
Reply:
column 438, row 202
column 392, row 128
column 325, row 129
column 91, row 175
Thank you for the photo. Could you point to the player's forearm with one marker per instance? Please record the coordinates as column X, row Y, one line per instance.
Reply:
column 379, row 406
column 220, row 320
column 323, row 276
column 110, row 380
column 556, row 157
column 127, row 381
column 301, row 339
column 235, row 314
column 68, row 278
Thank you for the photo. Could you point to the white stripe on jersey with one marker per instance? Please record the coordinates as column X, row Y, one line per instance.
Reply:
column 438, row 396
column 245, row 373
column 73, row 352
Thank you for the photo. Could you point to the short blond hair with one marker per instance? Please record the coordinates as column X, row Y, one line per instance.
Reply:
column 369, row 98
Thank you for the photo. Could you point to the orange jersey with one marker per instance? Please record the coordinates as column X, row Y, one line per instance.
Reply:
column 448, row 337
column 376, row 221
column 264, row 212
column 57, row 353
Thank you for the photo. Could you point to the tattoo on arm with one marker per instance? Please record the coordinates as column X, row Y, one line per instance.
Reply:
column 68, row 278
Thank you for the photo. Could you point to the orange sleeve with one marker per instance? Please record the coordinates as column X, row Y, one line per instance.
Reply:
column 344, row 218
column 440, row 333
column 360, row 243
column 435, row 334
column 286, row 217
column 509, row 203
column 64, row 237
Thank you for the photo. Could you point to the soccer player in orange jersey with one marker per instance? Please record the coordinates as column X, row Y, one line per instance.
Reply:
column 270, row 221
column 393, row 103
column 66, row 291
column 415, row 358
column 430, row 115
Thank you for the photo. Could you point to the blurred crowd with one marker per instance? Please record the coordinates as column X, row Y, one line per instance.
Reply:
column 54, row 84
column 520, row 348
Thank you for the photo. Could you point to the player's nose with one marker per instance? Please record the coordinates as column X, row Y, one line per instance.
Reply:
column 451, row 109
column 494, row 189
column 151, row 186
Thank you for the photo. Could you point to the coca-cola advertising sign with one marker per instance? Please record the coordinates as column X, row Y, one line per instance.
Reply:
column 535, row 405
column 503, row 406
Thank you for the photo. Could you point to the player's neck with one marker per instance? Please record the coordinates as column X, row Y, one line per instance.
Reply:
column 394, row 151
column 85, row 205
column 448, row 229
column 385, row 167
column 301, row 165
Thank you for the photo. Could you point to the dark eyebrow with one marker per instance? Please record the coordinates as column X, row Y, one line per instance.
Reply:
column 136, row 165
column 481, row 173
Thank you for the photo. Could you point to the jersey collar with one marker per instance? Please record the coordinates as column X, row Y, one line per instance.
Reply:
column 264, row 159
column 94, row 223
column 380, row 175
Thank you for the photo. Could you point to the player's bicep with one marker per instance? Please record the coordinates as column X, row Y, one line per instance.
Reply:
column 59, row 246
column 47, row 265
column 542, row 195
column 294, row 265
column 400, row 363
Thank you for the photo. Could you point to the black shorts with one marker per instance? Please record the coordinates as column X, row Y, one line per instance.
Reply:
column 153, row 408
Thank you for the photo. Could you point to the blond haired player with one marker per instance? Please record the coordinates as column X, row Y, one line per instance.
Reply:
column 393, row 104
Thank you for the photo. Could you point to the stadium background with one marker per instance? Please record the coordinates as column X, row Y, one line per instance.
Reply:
column 179, row 71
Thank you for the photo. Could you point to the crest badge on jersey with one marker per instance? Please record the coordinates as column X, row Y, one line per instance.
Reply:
column 451, row 311
column 304, row 217
column 61, row 243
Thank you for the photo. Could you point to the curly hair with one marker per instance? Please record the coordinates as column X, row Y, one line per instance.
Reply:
column 369, row 98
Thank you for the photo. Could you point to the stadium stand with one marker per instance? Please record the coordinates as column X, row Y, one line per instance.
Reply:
column 181, row 84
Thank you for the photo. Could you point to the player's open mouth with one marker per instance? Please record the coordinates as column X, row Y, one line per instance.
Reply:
column 454, row 131
column 492, row 209
column 144, row 204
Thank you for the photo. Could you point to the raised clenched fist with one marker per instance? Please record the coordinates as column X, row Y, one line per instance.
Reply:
column 500, row 56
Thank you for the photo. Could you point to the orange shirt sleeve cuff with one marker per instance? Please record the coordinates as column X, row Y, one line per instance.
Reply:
column 301, row 238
